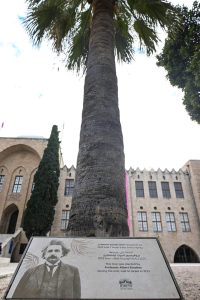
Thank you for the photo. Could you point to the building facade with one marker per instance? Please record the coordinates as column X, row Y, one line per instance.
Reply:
column 161, row 204
column 165, row 205
column 19, row 160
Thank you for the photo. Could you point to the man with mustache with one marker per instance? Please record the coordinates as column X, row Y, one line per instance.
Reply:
column 53, row 279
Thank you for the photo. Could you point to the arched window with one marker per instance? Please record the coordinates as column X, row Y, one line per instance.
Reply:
column 2, row 179
column 3, row 173
column 185, row 254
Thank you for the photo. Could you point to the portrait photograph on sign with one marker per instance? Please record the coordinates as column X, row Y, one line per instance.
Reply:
column 93, row 268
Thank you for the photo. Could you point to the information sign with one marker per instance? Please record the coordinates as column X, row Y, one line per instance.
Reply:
column 93, row 268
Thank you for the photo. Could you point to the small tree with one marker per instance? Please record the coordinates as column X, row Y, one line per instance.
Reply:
column 39, row 213
column 181, row 57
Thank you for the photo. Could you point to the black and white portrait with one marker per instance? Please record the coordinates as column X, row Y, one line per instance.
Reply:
column 51, row 279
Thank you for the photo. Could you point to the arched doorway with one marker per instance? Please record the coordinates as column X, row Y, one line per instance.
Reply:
column 12, row 222
column 185, row 254
column 9, row 219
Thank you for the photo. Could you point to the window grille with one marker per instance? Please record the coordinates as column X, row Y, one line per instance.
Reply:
column 185, row 225
column 156, row 219
column 165, row 189
column 69, row 187
column 170, row 219
column 142, row 221
column 64, row 219
column 2, row 178
column 178, row 190
column 17, row 184
column 152, row 189
column 139, row 187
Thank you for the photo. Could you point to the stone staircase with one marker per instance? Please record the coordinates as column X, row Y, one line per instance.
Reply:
column 8, row 243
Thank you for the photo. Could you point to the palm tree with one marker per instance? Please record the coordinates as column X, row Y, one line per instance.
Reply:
column 90, row 33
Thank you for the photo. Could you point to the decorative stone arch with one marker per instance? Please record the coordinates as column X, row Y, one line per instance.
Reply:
column 3, row 170
column 185, row 254
column 19, row 170
column 9, row 219
column 33, row 172
column 19, row 147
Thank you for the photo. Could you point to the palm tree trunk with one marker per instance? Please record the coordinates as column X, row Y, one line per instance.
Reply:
column 99, row 204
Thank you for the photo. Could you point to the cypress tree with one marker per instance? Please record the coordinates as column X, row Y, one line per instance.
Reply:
column 39, row 214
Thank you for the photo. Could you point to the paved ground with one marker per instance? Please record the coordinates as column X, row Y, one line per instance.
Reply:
column 5, row 276
column 187, row 276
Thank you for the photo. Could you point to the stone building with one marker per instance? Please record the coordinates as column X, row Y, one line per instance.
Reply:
column 166, row 205
column 19, row 160
column 160, row 203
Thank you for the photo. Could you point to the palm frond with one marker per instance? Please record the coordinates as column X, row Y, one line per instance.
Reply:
column 123, row 40
column 40, row 18
column 66, row 23
column 52, row 19
column 83, row 247
column 78, row 52
column 146, row 16
column 30, row 261
column 147, row 36
column 153, row 11
column 32, row 3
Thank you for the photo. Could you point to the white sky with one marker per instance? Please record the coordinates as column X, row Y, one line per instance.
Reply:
column 34, row 95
